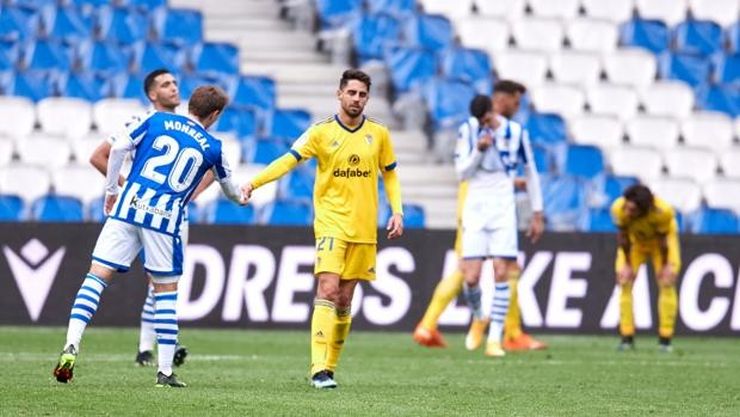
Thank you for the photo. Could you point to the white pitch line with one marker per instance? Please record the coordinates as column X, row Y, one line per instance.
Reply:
column 35, row 357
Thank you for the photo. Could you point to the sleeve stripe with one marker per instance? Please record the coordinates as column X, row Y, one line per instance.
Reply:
column 296, row 155
column 391, row 166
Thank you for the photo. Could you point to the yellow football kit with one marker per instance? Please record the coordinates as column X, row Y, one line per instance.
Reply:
column 644, row 234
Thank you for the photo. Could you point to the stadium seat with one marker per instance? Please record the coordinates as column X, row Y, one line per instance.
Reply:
column 714, row 221
column 546, row 128
column 724, row 12
column 599, row 130
column 65, row 23
column 47, row 55
column 410, row 67
column 683, row 194
column 289, row 124
column 592, row 35
column 27, row 182
column 652, row 35
column 565, row 201
column 232, row 150
column 559, row 9
column 726, row 69
column 94, row 211
column 584, row 161
column 21, row 111
column 469, row 65
column 631, row 66
column 396, row 8
column 580, row 69
column 102, row 57
column 125, row 85
column 510, row 10
column 336, row 13
column 11, row 208
column 255, row 90
column 6, row 151
column 35, row 85
column 695, row 163
column 668, row 98
column 427, row 31
column 452, row 9
column 657, row 132
column 111, row 114
column 528, row 68
column 611, row 99
column 288, row 213
column 698, row 37
column 689, row 68
column 617, row 11
column 730, row 162
column 371, row 34
column 240, row 121
column 58, row 209
column 722, row 98
column 44, row 152
column 448, row 101
column 149, row 56
column 643, row 163
column 83, row 148
column 414, row 217
column 66, row 182
column 722, row 193
column 486, row 33
column 543, row 160
column 614, row 187
column 121, row 25
column 223, row 211
column 85, row 86
column 298, row 185
column 555, row 98
column 266, row 151
column 18, row 24
column 10, row 54
column 669, row 11
column 599, row 220
column 215, row 58
column 733, row 38
column 181, row 27
column 538, row 34
column 711, row 130
column 70, row 117
column 261, row 196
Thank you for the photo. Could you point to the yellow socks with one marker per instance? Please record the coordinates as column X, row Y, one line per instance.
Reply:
column 626, row 316
column 446, row 291
column 667, row 309
column 342, row 323
column 322, row 331
column 513, row 323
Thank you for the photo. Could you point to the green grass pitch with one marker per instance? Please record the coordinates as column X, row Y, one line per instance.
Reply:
column 252, row 373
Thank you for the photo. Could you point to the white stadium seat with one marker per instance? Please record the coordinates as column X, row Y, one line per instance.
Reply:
column 722, row 193
column 27, row 182
column 510, row 10
column 538, row 34
column 737, row 127
column 602, row 131
column 23, row 114
column 682, row 194
column 592, row 35
column 644, row 163
column 695, row 163
column 577, row 68
column 658, row 132
column 669, row 11
column 528, row 68
column 111, row 114
column 730, row 162
column 486, row 33
column 707, row 129
column 630, row 66
column 82, row 149
column 6, row 151
column 263, row 195
column 618, row 11
column 70, row 117
column 565, row 100
column 45, row 152
column 724, row 12
column 617, row 100
column 668, row 98
column 561, row 9
column 80, row 181
column 450, row 9
column 232, row 148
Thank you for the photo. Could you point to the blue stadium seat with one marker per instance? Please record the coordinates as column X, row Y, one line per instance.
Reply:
column 124, row 85
column 689, row 68
column 289, row 124
column 187, row 83
column 149, row 56
column 546, row 128
column 265, row 151
column 614, row 186
column 543, row 160
column 35, row 85
column 10, row 53
column 565, row 201
column 427, row 31
column 215, row 57
column 144, row 5
column 698, row 37
column 7, row 81
column 194, row 213
column 396, row 8
column 372, row 34
column 410, row 67
column 584, row 161
column 256, row 91
column 714, row 221
column 223, row 211
column 180, row 27
column 337, row 13
column 298, row 185
column 723, row 98
column 733, row 37
column 413, row 217
column 47, row 55
column 33, row 5
column 11, row 208
column 448, row 101
column 18, row 24
column 240, row 120
column 726, row 69
column 52, row 208
column 83, row 85
column 120, row 25
column 102, row 57
column 81, row 4
column 66, row 23
column 469, row 65
column 600, row 220
column 649, row 34
column 289, row 213
column 94, row 211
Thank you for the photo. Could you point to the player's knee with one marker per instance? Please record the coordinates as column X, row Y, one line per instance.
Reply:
column 328, row 292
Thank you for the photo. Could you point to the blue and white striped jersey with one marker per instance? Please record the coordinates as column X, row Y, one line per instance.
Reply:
column 171, row 154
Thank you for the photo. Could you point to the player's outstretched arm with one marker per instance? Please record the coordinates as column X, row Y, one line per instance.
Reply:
column 275, row 170
column 99, row 159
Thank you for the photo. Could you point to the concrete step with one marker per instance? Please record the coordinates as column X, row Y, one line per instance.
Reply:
column 317, row 73
column 254, row 8
column 429, row 174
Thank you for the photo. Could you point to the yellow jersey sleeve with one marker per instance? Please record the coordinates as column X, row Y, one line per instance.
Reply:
column 387, row 157
column 617, row 212
column 306, row 146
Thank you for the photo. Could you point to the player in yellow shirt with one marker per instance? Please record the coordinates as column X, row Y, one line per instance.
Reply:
column 350, row 149
column 647, row 229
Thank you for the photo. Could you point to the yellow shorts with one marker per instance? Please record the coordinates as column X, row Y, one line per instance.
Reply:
column 347, row 259
column 640, row 254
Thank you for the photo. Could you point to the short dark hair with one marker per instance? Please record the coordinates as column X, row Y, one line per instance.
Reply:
column 480, row 105
column 354, row 74
column 509, row 87
column 149, row 80
column 641, row 196
column 207, row 99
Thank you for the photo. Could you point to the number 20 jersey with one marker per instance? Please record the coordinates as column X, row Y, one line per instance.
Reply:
column 172, row 153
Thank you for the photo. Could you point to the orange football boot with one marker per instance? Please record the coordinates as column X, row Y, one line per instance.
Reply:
column 523, row 342
column 429, row 338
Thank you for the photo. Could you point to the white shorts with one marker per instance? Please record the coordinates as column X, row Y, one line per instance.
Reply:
column 490, row 243
column 119, row 243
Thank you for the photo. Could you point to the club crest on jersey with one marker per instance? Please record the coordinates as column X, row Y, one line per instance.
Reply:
column 354, row 160
column 335, row 144
column 369, row 139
